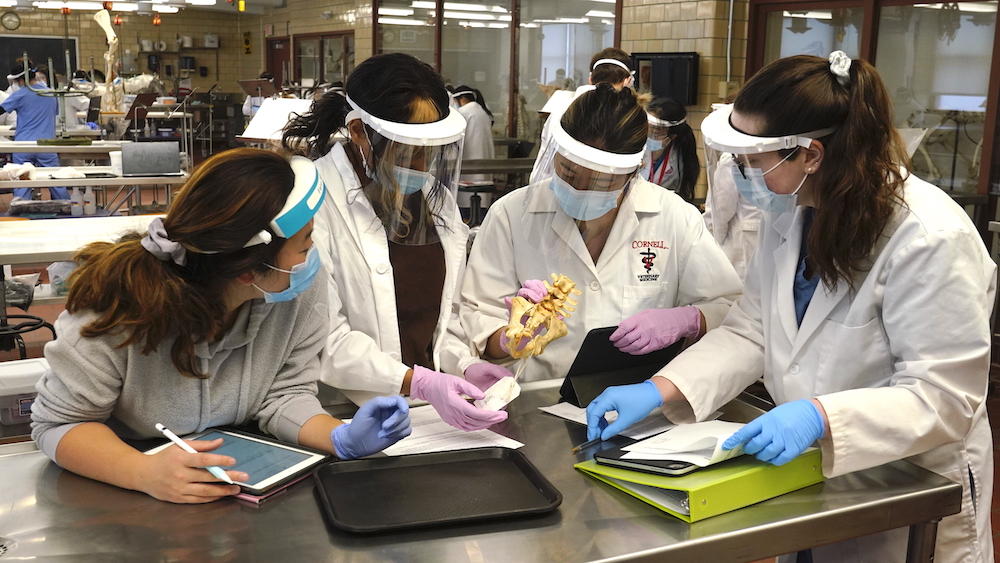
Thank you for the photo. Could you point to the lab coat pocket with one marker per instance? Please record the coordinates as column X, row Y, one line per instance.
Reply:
column 637, row 298
column 853, row 357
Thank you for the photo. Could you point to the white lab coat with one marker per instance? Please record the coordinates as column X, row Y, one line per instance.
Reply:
column 478, row 142
column 733, row 221
column 362, row 356
column 900, row 365
column 669, row 178
column 526, row 235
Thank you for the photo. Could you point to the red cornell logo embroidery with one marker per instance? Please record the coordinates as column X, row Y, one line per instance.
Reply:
column 647, row 256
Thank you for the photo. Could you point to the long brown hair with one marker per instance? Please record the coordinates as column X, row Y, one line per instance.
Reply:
column 230, row 198
column 861, row 178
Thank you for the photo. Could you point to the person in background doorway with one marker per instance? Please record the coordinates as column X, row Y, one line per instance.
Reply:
column 36, row 119
column 672, row 153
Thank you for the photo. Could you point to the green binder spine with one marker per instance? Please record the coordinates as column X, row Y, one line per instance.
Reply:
column 723, row 488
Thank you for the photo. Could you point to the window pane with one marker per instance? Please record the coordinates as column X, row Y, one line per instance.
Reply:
column 309, row 58
column 814, row 32
column 476, row 44
column 935, row 61
column 407, row 27
column 334, row 59
column 557, row 36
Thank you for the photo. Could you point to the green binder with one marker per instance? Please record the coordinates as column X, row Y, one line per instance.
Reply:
column 713, row 490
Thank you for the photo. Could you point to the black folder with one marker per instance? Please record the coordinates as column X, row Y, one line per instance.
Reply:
column 599, row 365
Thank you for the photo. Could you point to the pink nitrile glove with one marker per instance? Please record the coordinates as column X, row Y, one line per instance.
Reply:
column 444, row 392
column 655, row 329
column 534, row 291
column 484, row 374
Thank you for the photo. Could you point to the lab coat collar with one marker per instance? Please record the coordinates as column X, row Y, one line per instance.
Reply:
column 786, row 260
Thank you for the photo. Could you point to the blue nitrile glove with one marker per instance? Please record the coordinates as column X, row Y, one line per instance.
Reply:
column 781, row 434
column 378, row 424
column 633, row 403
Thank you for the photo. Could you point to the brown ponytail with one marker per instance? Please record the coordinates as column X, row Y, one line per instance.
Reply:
column 230, row 198
column 861, row 178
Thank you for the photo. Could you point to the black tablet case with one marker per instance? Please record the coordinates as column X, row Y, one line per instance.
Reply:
column 612, row 458
column 599, row 365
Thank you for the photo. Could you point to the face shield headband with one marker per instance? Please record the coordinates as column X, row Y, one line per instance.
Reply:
column 719, row 134
column 300, row 206
column 616, row 62
column 445, row 131
column 593, row 158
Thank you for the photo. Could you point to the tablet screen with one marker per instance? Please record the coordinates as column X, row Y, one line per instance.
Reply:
column 265, row 461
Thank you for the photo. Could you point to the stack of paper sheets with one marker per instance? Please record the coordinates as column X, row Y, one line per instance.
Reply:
column 431, row 434
column 699, row 443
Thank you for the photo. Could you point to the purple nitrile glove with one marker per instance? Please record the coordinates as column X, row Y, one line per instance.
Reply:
column 378, row 424
column 444, row 392
column 534, row 291
column 654, row 329
column 484, row 374
column 781, row 434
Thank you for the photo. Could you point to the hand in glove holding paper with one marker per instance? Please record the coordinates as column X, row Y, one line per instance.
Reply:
column 781, row 434
column 633, row 403
column 445, row 392
column 378, row 424
column 484, row 374
column 654, row 329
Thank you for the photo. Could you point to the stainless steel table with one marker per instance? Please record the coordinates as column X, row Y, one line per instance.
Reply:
column 97, row 148
column 133, row 184
column 53, row 514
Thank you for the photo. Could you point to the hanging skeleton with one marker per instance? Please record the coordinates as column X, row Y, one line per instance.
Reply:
column 111, row 102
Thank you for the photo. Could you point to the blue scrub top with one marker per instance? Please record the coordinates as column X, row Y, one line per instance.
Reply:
column 36, row 115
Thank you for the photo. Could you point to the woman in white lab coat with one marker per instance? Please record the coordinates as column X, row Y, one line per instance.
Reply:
column 390, row 234
column 478, row 131
column 639, row 253
column 866, row 307
column 672, row 158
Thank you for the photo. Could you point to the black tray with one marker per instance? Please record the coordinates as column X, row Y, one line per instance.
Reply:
column 414, row 491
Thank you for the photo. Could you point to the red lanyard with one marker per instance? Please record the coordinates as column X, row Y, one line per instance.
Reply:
column 665, row 162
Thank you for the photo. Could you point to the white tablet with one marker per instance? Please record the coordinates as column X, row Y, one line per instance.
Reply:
column 268, row 463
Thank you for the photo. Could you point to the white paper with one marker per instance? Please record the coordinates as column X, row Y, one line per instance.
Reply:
column 674, row 500
column 499, row 395
column 431, row 434
column 699, row 443
column 654, row 423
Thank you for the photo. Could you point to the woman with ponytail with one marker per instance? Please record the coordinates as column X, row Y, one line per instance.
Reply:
column 672, row 160
column 866, row 306
column 392, row 239
column 208, row 319
column 478, row 135
column 642, row 256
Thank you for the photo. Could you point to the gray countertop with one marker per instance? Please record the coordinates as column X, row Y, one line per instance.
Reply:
column 50, row 514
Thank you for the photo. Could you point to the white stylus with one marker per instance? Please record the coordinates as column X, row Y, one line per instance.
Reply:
column 213, row 469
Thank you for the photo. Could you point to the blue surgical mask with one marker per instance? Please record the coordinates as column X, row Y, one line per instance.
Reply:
column 409, row 180
column 751, row 185
column 583, row 205
column 653, row 145
column 300, row 278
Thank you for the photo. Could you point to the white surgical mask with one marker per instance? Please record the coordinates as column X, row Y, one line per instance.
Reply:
column 583, row 205
column 751, row 185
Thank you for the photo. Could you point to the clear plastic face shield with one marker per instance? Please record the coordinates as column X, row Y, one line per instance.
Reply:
column 734, row 156
column 630, row 81
column 587, row 182
column 301, row 205
column 658, row 132
column 411, row 165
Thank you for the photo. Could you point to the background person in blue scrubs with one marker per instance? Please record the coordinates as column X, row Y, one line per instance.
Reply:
column 36, row 119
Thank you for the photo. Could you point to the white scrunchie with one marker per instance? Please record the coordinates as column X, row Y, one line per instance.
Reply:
column 840, row 66
column 157, row 244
